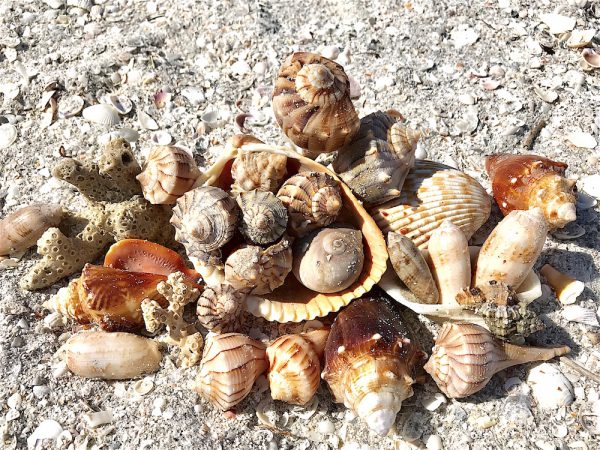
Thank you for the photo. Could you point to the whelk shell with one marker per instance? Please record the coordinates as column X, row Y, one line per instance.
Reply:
column 21, row 229
column 550, row 388
column 567, row 289
column 220, row 308
column 8, row 135
column 102, row 114
column 264, row 217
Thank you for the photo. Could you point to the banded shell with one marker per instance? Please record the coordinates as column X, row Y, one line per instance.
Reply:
column 22, row 228
column 432, row 193
column 549, row 386
column 230, row 365
column 313, row 200
column 292, row 302
column 110, row 356
column 370, row 362
column 169, row 172
column 264, row 217
column 220, row 308
column 312, row 104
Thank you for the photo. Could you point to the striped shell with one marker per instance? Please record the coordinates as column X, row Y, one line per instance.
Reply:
column 220, row 308
column 431, row 194
column 21, row 229
column 264, row 216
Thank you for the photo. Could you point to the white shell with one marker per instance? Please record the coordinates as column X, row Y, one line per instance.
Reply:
column 582, row 140
column 147, row 122
column 194, row 95
column 121, row 103
column 105, row 115
column 8, row 135
column 575, row 313
column 548, row 95
column 70, row 106
column 162, row 137
column 550, row 388
column 558, row 23
column 580, row 38
column 591, row 185
column 591, row 57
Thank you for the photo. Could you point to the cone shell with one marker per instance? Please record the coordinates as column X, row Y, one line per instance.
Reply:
column 431, row 194
column 230, row 365
column 292, row 302
column 169, row 172
column 312, row 104
column 21, row 229
column 528, row 181
column 295, row 366
column 220, row 308
column 264, row 217
column 370, row 363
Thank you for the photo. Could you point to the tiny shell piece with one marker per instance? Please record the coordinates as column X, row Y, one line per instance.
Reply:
column 567, row 289
column 22, row 228
column 264, row 217
column 111, row 356
column 550, row 388
column 220, row 308
column 102, row 114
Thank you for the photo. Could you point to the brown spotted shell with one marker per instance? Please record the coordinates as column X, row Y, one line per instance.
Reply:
column 264, row 216
column 312, row 104
column 220, row 308
column 22, row 228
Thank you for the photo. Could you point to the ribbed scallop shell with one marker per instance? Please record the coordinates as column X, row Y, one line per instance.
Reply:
column 230, row 365
column 106, row 115
column 22, row 228
column 169, row 173
column 312, row 105
column 220, row 308
column 431, row 194
column 264, row 217
column 313, row 200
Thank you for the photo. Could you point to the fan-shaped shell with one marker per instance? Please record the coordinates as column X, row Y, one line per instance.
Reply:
column 220, row 308
column 432, row 193
column 21, row 229
column 264, row 216
column 312, row 104
column 292, row 302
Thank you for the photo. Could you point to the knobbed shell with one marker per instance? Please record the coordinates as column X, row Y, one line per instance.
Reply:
column 110, row 356
column 329, row 260
column 230, row 365
column 312, row 105
column 466, row 356
column 220, row 308
column 531, row 181
column 264, row 217
column 295, row 366
column 313, row 200
column 432, row 193
column 22, row 228
column 169, row 172
column 370, row 363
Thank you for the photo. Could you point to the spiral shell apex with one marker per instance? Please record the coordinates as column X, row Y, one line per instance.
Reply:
column 264, row 217
column 220, row 308
column 312, row 104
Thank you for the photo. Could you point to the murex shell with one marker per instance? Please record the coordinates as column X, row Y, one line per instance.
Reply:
column 22, row 228
column 264, row 216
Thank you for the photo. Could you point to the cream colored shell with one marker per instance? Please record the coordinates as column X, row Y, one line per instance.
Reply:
column 220, row 308
column 21, row 229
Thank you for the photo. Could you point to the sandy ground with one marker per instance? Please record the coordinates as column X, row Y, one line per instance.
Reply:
column 421, row 58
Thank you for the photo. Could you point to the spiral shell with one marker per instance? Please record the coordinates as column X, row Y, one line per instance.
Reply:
column 312, row 104
column 313, row 201
column 230, row 365
column 220, row 308
column 21, row 229
column 264, row 217
column 169, row 172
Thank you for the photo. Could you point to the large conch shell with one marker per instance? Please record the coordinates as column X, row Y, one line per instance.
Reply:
column 292, row 302
column 432, row 193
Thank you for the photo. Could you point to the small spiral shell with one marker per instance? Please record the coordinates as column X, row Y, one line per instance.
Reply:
column 264, row 217
column 220, row 308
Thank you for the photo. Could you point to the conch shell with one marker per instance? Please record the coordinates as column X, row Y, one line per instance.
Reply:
column 21, row 229
column 220, row 308
column 466, row 356
column 370, row 363
column 264, row 216
column 521, row 182
column 312, row 104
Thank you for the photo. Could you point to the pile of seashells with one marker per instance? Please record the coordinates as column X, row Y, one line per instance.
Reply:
column 272, row 232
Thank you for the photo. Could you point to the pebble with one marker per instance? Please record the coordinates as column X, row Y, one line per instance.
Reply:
column 330, row 51
column 383, row 83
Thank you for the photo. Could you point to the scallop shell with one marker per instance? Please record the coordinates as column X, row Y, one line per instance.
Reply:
column 8, row 135
column 102, row 114
column 431, row 194
column 264, row 217
column 220, row 308
column 169, row 172
column 576, row 313
column 292, row 302
column 312, row 104
column 550, row 388
column 22, row 228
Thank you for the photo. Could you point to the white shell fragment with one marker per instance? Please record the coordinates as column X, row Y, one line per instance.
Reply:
column 591, row 185
column 194, row 95
column 121, row 103
column 591, row 57
column 48, row 429
column 549, row 96
column 582, row 140
column 99, row 418
column 580, row 38
column 576, row 313
column 162, row 137
column 70, row 106
column 550, row 388
column 558, row 23
column 8, row 135
column 102, row 114
column 463, row 35
column 147, row 122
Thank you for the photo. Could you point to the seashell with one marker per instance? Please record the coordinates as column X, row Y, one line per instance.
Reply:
column 591, row 185
column 85, row 5
column 376, row 162
column 313, row 200
column 213, row 118
column 582, row 140
column 109, row 297
column 264, row 217
column 293, row 302
column 259, row 271
column 591, row 57
column 230, row 365
column 449, row 252
column 22, row 228
column 220, row 308
column 147, row 122
column 569, row 232
column 70, row 106
column 329, row 260
column 295, row 366
column 558, row 23
column 169, row 172
column 575, row 313
column 585, row 201
column 102, row 114
column 431, row 194
column 550, row 388
column 312, row 105
column 530, row 181
column 548, row 95
column 110, row 356
column 370, row 363
column 466, row 356
column 567, row 289
column 122, row 104
column 194, row 95
column 8, row 135
column 580, row 38
column 161, row 137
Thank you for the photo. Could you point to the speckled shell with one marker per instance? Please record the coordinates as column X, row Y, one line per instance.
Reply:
column 230, row 365
column 370, row 362
column 529, row 181
column 220, row 308
column 264, row 217
column 312, row 104
column 313, row 200
column 292, row 302
column 431, row 194
column 169, row 172
column 22, row 228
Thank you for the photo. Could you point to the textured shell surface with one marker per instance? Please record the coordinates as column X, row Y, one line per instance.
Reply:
column 264, row 216
column 169, row 172
column 110, row 356
column 230, row 365
column 22, row 228
column 432, row 193
column 576, row 313
column 370, row 362
column 102, row 114
column 220, row 308
column 312, row 104
column 549, row 386
column 256, row 170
